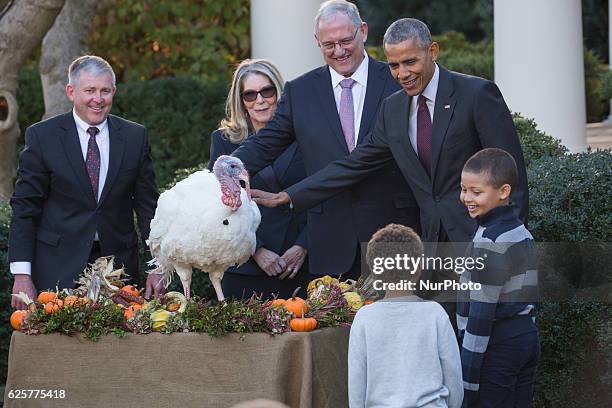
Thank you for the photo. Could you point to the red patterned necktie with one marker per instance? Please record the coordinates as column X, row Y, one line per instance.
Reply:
column 424, row 133
column 92, row 161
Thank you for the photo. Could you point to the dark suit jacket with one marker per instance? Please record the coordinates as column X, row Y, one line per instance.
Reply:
column 55, row 215
column 280, row 228
column 470, row 114
column 307, row 113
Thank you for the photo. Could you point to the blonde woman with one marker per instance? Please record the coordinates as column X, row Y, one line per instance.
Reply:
column 278, row 265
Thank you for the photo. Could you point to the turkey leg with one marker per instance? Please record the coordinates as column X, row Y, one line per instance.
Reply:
column 184, row 272
column 215, row 279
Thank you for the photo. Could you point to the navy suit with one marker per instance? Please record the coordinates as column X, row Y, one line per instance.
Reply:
column 55, row 214
column 307, row 113
column 470, row 114
column 279, row 229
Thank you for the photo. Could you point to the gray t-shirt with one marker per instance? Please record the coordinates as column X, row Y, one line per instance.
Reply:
column 403, row 353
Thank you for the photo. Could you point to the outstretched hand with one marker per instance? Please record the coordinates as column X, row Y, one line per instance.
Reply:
column 155, row 286
column 270, row 200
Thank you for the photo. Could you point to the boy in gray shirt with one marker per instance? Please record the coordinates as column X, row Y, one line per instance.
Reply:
column 402, row 349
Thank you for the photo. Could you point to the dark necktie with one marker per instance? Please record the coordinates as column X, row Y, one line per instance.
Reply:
column 424, row 133
column 92, row 161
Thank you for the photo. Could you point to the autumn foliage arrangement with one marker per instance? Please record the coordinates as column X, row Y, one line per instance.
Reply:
column 120, row 309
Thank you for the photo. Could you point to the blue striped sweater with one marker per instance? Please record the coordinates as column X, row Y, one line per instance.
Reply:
column 505, row 305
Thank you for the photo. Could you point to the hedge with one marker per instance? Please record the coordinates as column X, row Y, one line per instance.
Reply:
column 535, row 143
column 570, row 197
column 568, row 333
column 570, row 206
column 30, row 100
column 6, row 287
column 179, row 113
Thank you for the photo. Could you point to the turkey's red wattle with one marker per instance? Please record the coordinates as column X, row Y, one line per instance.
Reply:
column 230, row 192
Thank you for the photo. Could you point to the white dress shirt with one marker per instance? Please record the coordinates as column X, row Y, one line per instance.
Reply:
column 359, row 91
column 429, row 92
column 102, row 139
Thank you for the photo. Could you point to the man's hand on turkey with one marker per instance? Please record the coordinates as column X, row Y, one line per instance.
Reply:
column 294, row 257
column 155, row 286
column 270, row 200
column 270, row 262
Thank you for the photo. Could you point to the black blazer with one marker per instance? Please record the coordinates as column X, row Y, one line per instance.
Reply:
column 470, row 114
column 280, row 228
column 307, row 113
column 55, row 214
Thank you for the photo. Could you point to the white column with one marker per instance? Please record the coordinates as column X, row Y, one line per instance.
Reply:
column 283, row 31
column 539, row 65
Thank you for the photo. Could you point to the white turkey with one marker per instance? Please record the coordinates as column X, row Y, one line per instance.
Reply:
column 206, row 221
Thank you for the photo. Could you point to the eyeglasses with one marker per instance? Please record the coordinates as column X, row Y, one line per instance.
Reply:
column 266, row 92
column 343, row 43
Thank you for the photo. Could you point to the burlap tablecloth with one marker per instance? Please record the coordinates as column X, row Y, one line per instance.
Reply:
column 306, row 370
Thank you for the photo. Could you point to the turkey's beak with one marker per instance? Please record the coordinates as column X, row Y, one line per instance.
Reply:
column 244, row 176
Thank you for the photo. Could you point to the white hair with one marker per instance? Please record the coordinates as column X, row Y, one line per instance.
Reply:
column 332, row 8
column 92, row 64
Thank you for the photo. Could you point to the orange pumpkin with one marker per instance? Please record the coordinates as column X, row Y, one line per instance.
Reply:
column 46, row 297
column 278, row 302
column 129, row 312
column 303, row 324
column 131, row 290
column 17, row 318
column 296, row 305
column 53, row 306
column 71, row 300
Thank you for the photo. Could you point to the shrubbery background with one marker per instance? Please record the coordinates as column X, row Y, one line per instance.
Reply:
column 180, row 114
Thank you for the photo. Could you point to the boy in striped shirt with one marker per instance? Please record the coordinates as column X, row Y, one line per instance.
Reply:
column 500, row 345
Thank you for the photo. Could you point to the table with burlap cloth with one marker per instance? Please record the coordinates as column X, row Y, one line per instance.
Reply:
column 305, row 370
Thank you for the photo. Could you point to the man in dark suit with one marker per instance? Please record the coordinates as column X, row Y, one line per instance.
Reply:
column 81, row 178
column 430, row 128
column 329, row 111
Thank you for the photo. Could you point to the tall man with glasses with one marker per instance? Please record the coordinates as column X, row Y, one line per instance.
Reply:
column 81, row 178
column 329, row 111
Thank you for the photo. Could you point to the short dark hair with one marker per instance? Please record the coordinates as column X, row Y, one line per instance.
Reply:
column 407, row 29
column 392, row 240
column 496, row 164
